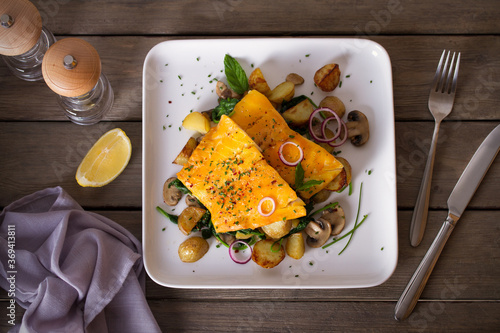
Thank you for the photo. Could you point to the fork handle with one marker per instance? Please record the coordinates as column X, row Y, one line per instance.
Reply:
column 419, row 218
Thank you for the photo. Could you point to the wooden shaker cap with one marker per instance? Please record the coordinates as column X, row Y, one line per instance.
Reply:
column 21, row 26
column 71, row 67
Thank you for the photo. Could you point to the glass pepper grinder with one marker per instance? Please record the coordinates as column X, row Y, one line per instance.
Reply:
column 72, row 69
column 23, row 39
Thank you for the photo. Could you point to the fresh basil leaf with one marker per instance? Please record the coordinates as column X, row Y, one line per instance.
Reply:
column 299, row 175
column 310, row 183
column 299, row 179
column 235, row 75
column 225, row 107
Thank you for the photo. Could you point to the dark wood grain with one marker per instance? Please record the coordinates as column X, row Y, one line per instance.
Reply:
column 262, row 17
column 414, row 60
column 314, row 316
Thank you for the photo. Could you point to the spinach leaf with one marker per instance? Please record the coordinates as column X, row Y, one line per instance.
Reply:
column 235, row 75
column 225, row 107
column 172, row 218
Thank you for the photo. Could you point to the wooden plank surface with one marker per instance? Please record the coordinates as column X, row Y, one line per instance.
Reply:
column 414, row 60
column 263, row 17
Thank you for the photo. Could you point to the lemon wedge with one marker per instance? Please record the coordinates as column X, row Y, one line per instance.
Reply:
column 107, row 158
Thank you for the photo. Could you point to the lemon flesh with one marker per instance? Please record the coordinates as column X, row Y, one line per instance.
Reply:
column 107, row 158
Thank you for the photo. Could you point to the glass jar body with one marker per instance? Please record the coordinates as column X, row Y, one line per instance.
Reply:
column 28, row 66
column 89, row 108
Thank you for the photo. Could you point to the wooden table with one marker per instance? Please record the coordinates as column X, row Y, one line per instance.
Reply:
column 39, row 148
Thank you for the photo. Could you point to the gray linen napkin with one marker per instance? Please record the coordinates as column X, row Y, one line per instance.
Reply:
column 74, row 271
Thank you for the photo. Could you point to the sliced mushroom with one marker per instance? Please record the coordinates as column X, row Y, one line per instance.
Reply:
column 335, row 217
column 171, row 195
column 224, row 92
column 227, row 238
column 191, row 201
column 358, row 129
column 317, row 233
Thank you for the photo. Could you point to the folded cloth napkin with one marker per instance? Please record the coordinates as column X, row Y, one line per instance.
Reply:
column 73, row 271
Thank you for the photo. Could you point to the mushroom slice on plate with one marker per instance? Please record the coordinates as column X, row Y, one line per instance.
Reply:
column 317, row 232
column 171, row 194
column 191, row 201
column 358, row 129
column 335, row 217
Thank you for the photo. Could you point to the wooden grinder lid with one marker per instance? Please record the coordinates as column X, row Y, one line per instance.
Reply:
column 20, row 26
column 71, row 67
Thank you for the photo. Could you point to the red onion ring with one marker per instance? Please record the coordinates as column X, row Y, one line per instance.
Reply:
column 232, row 252
column 335, row 144
column 323, row 128
column 282, row 158
column 261, row 202
column 323, row 139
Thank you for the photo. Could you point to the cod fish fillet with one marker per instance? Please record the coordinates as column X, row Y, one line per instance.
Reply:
column 229, row 175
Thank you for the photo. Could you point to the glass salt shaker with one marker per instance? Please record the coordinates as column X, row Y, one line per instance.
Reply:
column 23, row 39
column 72, row 69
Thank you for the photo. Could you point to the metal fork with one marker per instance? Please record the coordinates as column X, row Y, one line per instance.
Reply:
column 441, row 100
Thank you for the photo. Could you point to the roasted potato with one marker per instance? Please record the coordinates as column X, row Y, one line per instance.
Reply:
column 333, row 103
column 343, row 179
column 265, row 257
column 295, row 79
column 197, row 122
column 257, row 82
column 193, row 249
column 295, row 246
column 283, row 92
column 278, row 229
column 299, row 114
column 188, row 219
column 240, row 235
column 186, row 152
column 327, row 78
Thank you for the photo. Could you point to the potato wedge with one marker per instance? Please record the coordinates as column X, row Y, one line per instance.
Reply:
column 327, row 78
column 277, row 229
column 343, row 179
column 197, row 122
column 189, row 218
column 333, row 103
column 192, row 249
column 186, row 152
column 295, row 246
column 257, row 81
column 299, row 114
column 283, row 92
column 265, row 257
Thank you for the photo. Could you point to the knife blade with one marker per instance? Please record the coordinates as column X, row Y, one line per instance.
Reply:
column 457, row 202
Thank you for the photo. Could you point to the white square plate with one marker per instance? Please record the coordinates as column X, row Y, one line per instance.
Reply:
column 179, row 76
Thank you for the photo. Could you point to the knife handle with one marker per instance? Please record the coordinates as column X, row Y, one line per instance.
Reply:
column 417, row 283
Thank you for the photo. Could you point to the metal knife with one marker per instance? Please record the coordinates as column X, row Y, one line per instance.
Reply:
column 457, row 202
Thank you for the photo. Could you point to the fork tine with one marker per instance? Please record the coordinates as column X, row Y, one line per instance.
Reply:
column 442, row 81
column 455, row 76
column 447, row 83
column 435, row 81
